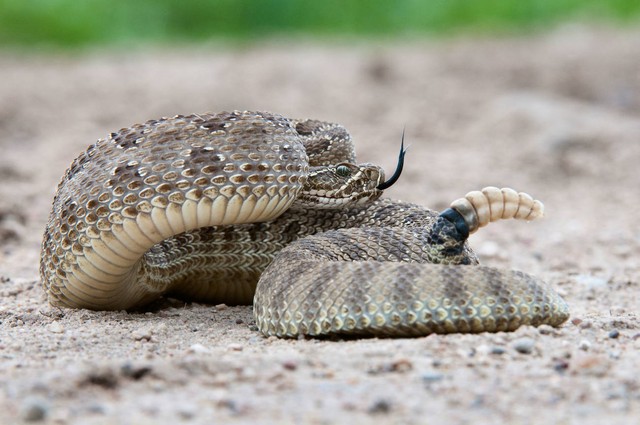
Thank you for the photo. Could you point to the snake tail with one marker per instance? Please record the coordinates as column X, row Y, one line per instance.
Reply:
column 480, row 207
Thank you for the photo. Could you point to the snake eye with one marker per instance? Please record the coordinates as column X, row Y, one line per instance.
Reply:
column 343, row 171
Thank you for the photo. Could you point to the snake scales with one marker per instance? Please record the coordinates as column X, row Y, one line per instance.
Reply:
column 238, row 207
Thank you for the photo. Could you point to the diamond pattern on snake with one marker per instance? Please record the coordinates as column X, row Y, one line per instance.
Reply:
column 254, row 208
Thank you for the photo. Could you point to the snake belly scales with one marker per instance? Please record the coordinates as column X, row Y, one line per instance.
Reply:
column 241, row 207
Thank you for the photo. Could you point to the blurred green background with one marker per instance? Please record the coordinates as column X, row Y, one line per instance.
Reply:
column 81, row 23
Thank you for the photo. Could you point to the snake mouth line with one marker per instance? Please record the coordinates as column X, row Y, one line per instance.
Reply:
column 396, row 175
column 334, row 202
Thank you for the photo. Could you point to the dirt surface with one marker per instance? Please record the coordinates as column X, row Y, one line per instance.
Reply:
column 556, row 115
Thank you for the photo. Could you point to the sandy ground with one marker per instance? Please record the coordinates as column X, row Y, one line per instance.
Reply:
column 556, row 115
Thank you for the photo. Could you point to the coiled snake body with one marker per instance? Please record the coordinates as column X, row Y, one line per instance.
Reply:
column 251, row 206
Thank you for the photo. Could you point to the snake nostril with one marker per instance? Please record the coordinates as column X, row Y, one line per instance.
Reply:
column 372, row 174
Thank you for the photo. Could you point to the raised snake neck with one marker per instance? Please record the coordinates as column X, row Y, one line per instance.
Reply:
column 198, row 207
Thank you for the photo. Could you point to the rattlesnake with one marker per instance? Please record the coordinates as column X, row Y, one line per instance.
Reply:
column 208, row 207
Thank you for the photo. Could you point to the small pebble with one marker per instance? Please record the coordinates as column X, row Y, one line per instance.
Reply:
column 199, row 349
column 55, row 327
column 34, row 409
column 380, row 406
column 135, row 372
column 524, row 345
column 290, row 364
column 584, row 345
column 235, row 347
column 96, row 408
column 496, row 349
column 586, row 324
column 221, row 307
column 141, row 335
column 105, row 378
column 229, row 404
column 561, row 365
column 430, row 377
column 399, row 365
column 546, row 329
column 614, row 333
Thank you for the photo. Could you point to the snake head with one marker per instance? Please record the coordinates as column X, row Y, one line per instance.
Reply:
column 342, row 185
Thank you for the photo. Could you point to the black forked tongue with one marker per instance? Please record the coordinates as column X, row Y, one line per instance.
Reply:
column 396, row 175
